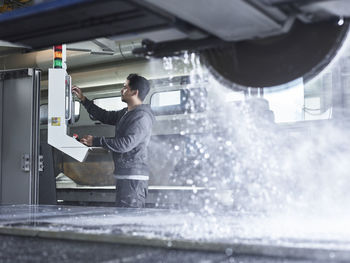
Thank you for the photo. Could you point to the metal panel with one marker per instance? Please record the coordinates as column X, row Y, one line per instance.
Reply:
column 47, row 187
column 68, row 21
column 35, row 141
column 20, row 137
column 230, row 20
column 57, row 122
column 1, row 100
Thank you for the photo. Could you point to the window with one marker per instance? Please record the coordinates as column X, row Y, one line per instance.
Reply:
column 286, row 101
column 109, row 104
column 169, row 98
column 113, row 103
column 179, row 101
column 318, row 98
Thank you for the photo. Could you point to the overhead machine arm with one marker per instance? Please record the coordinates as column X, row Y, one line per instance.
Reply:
column 253, row 43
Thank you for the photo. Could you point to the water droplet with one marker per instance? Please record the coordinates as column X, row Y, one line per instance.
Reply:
column 194, row 189
column 331, row 255
column 228, row 251
column 189, row 181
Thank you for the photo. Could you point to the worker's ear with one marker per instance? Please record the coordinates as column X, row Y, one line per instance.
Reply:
column 136, row 92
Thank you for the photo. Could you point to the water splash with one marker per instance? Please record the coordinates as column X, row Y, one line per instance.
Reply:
column 248, row 163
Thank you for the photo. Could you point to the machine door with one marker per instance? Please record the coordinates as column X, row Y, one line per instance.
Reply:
column 19, row 121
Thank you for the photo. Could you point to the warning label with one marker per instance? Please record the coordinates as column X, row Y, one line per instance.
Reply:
column 55, row 121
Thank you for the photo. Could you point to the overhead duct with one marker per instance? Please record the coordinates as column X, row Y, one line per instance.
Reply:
column 78, row 55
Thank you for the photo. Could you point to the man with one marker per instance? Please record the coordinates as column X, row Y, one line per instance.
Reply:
column 133, row 128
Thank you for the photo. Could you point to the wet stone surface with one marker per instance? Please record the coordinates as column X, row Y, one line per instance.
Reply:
column 98, row 234
column 27, row 249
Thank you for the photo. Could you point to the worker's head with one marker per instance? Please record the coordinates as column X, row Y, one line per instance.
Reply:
column 135, row 85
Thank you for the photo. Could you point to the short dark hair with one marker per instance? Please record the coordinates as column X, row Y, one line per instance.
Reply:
column 139, row 83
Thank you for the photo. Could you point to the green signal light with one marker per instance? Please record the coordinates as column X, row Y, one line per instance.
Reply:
column 57, row 63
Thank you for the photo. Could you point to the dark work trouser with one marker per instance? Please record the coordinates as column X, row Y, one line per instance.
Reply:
column 131, row 193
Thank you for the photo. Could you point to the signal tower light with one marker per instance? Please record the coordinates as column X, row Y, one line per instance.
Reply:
column 57, row 56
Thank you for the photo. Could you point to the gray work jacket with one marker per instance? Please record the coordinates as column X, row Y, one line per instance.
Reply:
column 133, row 131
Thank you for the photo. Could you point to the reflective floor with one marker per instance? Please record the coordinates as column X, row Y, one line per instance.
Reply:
column 154, row 233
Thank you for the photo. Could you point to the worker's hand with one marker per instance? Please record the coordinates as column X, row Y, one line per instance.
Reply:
column 87, row 140
column 77, row 91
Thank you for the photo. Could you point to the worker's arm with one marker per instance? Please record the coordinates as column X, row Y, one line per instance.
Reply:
column 106, row 117
column 133, row 135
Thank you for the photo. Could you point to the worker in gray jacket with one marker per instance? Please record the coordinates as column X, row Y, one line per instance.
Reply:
column 133, row 128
